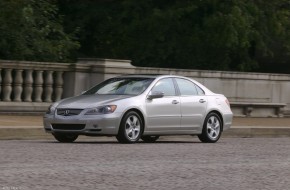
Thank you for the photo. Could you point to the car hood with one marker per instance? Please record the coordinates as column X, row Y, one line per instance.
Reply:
column 89, row 101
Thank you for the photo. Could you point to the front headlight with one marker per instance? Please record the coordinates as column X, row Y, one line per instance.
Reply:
column 102, row 110
column 50, row 110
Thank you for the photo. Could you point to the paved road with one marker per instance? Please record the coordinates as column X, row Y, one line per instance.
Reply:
column 233, row 163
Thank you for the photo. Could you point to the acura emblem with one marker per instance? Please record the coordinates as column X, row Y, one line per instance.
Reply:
column 66, row 112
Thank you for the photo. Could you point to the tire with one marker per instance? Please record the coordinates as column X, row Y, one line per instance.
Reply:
column 131, row 128
column 150, row 139
column 65, row 138
column 212, row 129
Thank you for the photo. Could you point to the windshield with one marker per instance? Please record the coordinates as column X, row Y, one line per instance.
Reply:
column 121, row 86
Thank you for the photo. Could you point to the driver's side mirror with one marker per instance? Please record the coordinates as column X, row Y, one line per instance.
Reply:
column 154, row 95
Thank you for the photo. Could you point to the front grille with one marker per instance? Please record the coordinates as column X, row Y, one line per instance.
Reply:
column 68, row 126
column 68, row 112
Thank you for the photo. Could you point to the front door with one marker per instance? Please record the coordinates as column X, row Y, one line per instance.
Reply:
column 163, row 114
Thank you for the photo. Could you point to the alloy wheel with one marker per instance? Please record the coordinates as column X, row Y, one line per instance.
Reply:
column 133, row 127
column 213, row 127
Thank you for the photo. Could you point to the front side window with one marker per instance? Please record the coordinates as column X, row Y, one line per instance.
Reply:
column 166, row 86
column 121, row 86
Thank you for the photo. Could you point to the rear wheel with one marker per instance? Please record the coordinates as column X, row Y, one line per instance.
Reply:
column 65, row 138
column 131, row 128
column 150, row 139
column 212, row 129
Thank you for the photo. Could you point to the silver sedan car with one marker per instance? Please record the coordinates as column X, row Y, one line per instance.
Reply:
column 141, row 106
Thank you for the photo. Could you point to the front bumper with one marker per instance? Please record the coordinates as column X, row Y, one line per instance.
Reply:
column 106, row 124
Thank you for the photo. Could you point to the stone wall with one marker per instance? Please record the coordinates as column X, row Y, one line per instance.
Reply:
column 32, row 86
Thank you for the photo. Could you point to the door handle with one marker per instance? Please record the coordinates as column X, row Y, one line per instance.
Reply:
column 202, row 101
column 175, row 102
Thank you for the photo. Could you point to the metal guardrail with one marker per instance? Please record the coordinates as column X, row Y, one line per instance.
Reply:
column 249, row 109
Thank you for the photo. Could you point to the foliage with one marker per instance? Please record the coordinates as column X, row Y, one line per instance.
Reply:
column 241, row 35
column 32, row 30
column 206, row 34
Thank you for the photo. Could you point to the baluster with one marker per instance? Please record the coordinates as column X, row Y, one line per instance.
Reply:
column 17, row 89
column 38, row 86
column 28, row 81
column 7, row 81
column 58, row 85
column 0, row 83
column 48, row 86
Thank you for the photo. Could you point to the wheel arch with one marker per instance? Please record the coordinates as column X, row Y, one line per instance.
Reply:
column 140, row 114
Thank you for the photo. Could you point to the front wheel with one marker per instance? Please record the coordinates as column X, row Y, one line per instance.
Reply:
column 65, row 138
column 131, row 128
column 212, row 129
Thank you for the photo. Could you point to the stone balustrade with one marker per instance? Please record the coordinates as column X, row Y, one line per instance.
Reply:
column 27, row 87
column 30, row 85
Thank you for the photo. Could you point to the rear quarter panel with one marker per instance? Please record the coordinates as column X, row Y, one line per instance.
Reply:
column 218, row 103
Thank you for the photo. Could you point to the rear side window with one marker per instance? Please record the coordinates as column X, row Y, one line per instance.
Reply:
column 199, row 90
column 186, row 87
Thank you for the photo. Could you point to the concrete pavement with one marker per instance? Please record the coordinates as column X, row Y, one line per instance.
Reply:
column 230, row 164
column 30, row 127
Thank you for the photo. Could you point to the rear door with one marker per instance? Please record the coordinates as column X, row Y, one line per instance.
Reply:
column 193, row 104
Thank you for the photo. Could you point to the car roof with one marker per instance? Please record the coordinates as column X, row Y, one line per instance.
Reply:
column 147, row 76
column 138, row 76
column 158, row 76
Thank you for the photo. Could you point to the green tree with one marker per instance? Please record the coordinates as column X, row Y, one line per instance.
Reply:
column 242, row 35
column 32, row 30
column 272, row 45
